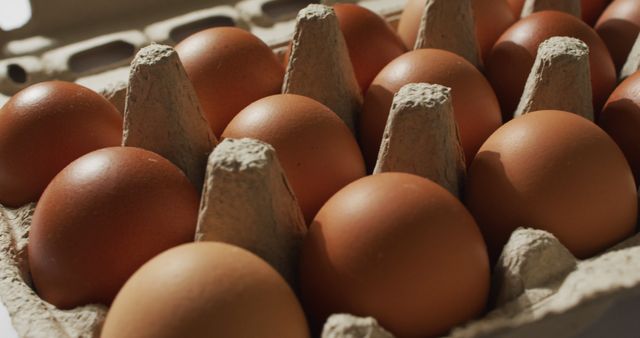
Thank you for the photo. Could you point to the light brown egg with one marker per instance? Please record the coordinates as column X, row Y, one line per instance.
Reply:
column 554, row 171
column 492, row 17
column 475, row 106
column 620, row 118
column 101, row 218
column 43, row 128
column 229, row 68
column 317, row 151
column 206, row 289
column 514, row 54
column 399, row 248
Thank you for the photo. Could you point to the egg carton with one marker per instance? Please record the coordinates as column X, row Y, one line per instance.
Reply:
column 540, row 289
column 96, row 44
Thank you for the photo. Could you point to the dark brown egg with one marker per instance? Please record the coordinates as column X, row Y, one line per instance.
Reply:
column 592, row 9
column 619, row 26
column 554, row 171
column 229, row 68
column 492, row 17
column 43, row 128
column 514, row 53
column 101, row 218
column 202, row 290
column 620, row 118
column 316, row 149
column 475, row 105
column 372, row 43
column 399, row 248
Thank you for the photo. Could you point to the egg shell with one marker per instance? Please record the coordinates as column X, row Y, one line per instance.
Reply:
column 399, row 248
column 554, row 171
column 591, row 9
column 492, row 17
column 516, row 7
column 229, row 68
column 619, row 26
column 43, row 128
column 205, row 289
column 620, row 118
column 101, row 218
column 514, row 54
column 317, row 151
column 475, row 105
column 371, row 42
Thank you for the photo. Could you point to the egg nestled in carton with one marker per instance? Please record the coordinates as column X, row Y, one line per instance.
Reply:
column 518, row 276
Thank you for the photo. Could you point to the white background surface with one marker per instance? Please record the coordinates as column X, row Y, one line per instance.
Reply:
column 6, row 330
column 14, row 13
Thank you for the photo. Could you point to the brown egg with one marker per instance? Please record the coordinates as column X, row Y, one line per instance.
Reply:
column 372, row 43
column 397, row 247
column 101, row 218
column 492, row 18
column 205, row 289
column 516, row 7
column 514, row 53
column 620, row 118
column 554, row 171
column 475, row 105
column 229, row 68
column 316, row 149
column 591, row 9
column 43, row 128
column 619, row 26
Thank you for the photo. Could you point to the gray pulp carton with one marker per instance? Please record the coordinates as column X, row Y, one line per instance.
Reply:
column 540, row 288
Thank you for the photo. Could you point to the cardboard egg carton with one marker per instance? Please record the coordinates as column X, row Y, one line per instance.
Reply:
column 540, row 289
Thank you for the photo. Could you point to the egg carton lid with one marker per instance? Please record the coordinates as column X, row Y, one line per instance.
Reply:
column 592, row 298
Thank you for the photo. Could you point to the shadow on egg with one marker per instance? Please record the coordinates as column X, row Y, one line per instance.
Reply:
column 507, row 70
column 619, row 36
column 490, row 161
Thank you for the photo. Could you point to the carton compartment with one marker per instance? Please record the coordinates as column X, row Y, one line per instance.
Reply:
column 540, row 289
